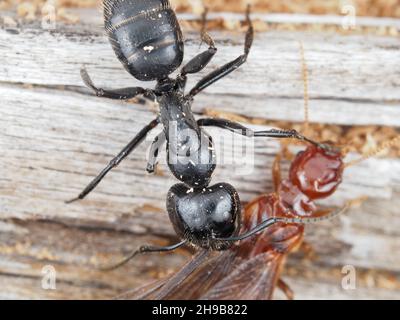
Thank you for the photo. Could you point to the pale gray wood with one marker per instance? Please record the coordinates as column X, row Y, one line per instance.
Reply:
column 303, row 19
column 94, row 17
column 353, row 79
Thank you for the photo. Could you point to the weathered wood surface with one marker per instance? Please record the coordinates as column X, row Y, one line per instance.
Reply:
column 53, row 141
column 353, row 79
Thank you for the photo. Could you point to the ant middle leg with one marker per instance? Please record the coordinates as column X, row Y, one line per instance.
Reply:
column 154, row 151
column 117, row 160
column 231, row 66
column 117, row 94
column 200, row 61
column 242, row 130
column 328, row 214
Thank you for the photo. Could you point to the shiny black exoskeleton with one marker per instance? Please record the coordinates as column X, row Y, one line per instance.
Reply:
column 145, row 36
column 147, row 39
column 201, row 216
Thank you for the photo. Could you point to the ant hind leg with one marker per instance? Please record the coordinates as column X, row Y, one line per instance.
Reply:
column 118, row 94
column 200, row 61
column 230, row 66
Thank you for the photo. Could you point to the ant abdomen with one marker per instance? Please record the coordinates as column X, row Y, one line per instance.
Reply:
column 145, row 36
column 200, row 215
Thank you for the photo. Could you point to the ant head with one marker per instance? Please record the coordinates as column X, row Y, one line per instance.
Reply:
column 317, row 172
column 200, row 215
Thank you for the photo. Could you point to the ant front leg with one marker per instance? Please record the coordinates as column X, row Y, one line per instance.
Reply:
column 200, row 61
column 118, row 94
column 141, row 250
column 117, row 160
column 242, row 130
column 154, row 151
column 231, row 66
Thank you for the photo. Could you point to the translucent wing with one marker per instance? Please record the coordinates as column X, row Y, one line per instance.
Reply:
column 248, row 270
column 205, row 277
column 143, row 293
column 262, row 258
column 253, row 279
column 169, row 287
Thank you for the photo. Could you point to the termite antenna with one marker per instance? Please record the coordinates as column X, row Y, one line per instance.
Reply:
column 384, row 146
column 313, row 220
column 305, row 74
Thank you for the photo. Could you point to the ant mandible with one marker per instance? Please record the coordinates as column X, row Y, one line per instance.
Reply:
column 147, row 39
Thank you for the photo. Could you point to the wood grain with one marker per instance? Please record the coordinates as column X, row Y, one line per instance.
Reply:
column 353, row 79
column 56, row 137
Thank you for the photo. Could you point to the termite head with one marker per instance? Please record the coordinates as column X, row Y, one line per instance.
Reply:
column 317, row 172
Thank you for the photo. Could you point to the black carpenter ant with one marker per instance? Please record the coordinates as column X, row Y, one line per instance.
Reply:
column 147, row 39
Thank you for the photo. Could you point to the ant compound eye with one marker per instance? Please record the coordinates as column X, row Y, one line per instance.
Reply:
column 204, row 213
column 316, row 172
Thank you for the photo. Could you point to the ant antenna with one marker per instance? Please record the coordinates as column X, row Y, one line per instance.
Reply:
column 306, row 88
column 123, row 261
column 382, row 147
column 141, row 250
column 300, row 220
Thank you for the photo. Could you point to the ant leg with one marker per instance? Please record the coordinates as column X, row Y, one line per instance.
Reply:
column 118, row 94
column 141, row 250
column 154, row 150
column 242, row 130
column 117, row 160
column 200, row 61
column 330, row 214
column 229, row 67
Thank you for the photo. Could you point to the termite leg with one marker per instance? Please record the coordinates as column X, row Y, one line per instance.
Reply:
column 285, row 289
column 276, row 172
column 308, row 250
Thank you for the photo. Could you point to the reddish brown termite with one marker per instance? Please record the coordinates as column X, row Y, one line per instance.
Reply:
column 251, row 269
